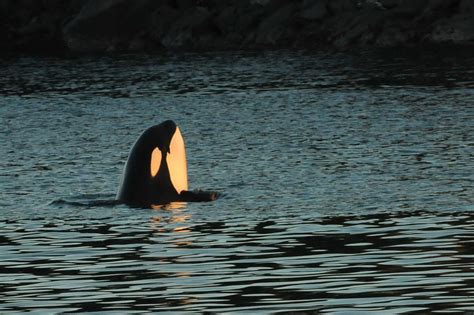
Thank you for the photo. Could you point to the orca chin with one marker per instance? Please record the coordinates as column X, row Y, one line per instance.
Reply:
column 156, row 170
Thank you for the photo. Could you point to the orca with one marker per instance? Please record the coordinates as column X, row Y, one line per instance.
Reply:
column 156, row 170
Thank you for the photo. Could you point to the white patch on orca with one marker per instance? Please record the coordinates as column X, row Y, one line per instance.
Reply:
column 176, row 160
column 155, row 162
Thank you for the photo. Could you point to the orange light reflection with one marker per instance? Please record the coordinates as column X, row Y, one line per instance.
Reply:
column 155, row 162
column 176, row 160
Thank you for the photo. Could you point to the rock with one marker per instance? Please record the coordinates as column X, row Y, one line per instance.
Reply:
column 370, row 4
column 260, row 2
column 161, row 20
column 394, row 36
column 140, row 25
column 52, row 4
column 37, row 25
column 313, row 10
column 187, row 28
column 106, row 24
column 237, row 23
column 184, row 5
column 458, row 29
column 466, row 6
column 75, row 6
column 141, row 43
column 361, row 29
column 389, row 4
column 275, row 27
column 339, row 6
column 409, row 8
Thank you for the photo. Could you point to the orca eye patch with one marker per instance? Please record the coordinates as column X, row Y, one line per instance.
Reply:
column 155, row 162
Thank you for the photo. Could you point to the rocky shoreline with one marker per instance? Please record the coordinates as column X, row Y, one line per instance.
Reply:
column 83, row 26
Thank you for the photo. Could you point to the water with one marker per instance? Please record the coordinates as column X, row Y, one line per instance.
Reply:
column 347, row 183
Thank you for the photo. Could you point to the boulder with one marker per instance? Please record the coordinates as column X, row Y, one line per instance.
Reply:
column 260, row 2
column 187, row 29
column 275, row 27
column 161, row 20
column 389, row 4
column 395, row 36
column 39, row 24
column 106, row 24
column 466, row 6
column 459, row 29
column 314, row 9
column 237, row 22
column 53, row 4
column 409, row 8
column 339, row 6
column 360, row 29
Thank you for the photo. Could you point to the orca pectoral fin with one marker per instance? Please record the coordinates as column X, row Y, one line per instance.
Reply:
column 198, row 195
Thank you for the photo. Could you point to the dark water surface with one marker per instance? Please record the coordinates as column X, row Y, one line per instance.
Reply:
column 347, row 180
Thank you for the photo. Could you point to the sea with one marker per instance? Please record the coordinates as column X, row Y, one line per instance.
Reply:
column 346, row 183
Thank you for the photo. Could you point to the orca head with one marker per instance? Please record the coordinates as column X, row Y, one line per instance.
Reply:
column 156, row 170
column 169, row 155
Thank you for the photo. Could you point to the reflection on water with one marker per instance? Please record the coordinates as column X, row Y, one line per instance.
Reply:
column 394, row 262
column 346, row 178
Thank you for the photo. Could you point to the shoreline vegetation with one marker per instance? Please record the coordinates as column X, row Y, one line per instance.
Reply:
column 90, row 26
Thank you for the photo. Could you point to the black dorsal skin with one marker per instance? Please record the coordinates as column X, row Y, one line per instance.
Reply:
column 139, row 187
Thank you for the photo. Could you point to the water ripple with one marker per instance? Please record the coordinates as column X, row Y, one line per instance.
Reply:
column 377, row 262
column 347, row 182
